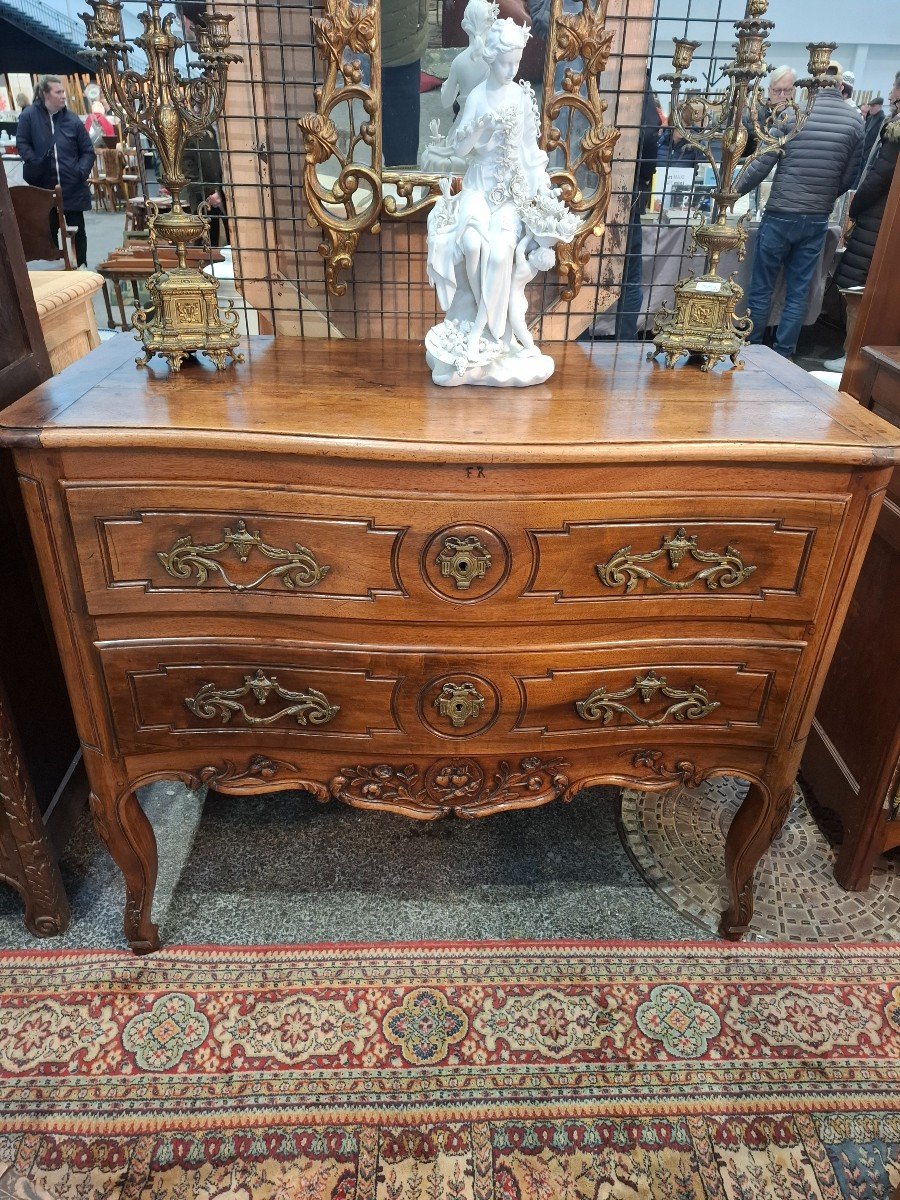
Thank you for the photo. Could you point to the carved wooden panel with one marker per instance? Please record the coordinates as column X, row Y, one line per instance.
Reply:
column 250, row 693
column 236, row 547
column 692, row 559
column 663, row 689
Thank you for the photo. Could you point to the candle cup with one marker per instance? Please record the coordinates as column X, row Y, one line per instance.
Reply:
column 217, row 30
column 106, row 23
column 819, row 57
column 684, row 52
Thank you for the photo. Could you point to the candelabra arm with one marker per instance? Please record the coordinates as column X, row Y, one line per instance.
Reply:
column 701, row 144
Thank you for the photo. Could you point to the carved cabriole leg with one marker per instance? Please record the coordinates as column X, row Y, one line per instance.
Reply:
column 32, row 868
column 128, row 836
column 754, row 827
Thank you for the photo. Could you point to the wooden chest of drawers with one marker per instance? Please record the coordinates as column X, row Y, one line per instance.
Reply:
column 320, row 571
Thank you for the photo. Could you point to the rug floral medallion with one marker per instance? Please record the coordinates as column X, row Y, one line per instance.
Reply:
column 494, row 1071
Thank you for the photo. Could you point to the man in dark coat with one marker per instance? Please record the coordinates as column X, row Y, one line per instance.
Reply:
column 628, row 309
column 202, row 158
column 56, row 149
column 867, row 206
column 875, row 118
column 816, row 166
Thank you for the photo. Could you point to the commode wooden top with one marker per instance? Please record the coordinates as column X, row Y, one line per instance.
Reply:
column 375, row 400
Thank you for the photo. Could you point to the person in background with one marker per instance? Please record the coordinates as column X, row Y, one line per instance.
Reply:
column 867, row 207
column 404, row 36
column 874, row 118
column 782, row 85
column 813, row 170
column 201, row 161
column 98, row 124
column 22, row 101
column 55, row 149
column 629, row 306
column 673, row 148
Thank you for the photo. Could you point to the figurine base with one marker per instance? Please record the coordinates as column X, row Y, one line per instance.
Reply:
column 524, row 369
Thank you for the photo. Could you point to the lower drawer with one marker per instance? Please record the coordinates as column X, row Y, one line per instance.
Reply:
column 251, row 692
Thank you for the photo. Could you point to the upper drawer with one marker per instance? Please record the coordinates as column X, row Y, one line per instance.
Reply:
column 233, row 546
column 158, row 548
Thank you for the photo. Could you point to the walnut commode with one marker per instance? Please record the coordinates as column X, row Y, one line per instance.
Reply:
column 321, row 573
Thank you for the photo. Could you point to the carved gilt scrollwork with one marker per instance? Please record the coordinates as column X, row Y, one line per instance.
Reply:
column 343, row 178
column 296, row 568
column 587, row 145
column 725, row 570
column 352, row 203
column 459, row 786
column 212, row 702
column 602, row 705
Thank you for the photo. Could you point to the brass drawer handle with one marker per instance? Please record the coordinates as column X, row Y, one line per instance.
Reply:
column 211, row 702
column 724, row 570
column 296, row 568
column 602, row 705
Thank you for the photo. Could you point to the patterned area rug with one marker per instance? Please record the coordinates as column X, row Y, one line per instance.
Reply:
column 677, row 844
column 530, row 1071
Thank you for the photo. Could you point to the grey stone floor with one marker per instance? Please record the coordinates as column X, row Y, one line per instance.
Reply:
column 283, row 869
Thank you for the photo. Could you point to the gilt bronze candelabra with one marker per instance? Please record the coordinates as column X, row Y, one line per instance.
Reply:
column 703, row 323
column 167, row 108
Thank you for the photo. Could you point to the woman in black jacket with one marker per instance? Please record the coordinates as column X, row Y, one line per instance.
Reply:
column 867, row 206
column 56, row 149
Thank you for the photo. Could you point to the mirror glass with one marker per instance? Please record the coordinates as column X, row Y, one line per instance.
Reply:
column 432, row 57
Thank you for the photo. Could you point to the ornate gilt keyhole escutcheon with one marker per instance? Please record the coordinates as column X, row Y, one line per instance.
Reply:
column 463, row 560
column 460, row 702
column 465, row 563
column 461, row 705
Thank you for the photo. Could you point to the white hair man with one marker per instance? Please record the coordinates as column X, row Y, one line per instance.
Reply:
column 781, row 86
column 815, row 167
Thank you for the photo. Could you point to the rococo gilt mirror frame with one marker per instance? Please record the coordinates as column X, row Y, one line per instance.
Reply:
column 358, row 193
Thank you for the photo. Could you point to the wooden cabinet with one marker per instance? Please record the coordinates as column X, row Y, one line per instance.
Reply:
column 852, row 760
column 38, row 742
column 319, row 570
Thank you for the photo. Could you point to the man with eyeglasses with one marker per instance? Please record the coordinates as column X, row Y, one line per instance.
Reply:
column 811, row 172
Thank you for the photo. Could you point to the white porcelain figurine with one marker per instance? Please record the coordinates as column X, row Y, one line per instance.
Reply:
column 487, row 241
column 468, row 69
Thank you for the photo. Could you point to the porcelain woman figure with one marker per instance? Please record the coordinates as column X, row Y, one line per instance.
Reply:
column 486, row 242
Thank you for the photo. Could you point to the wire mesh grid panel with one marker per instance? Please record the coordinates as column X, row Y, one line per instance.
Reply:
column 254, row 166
column 279, row 269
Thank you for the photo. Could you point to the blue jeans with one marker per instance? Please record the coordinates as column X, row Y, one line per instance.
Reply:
column 400, row 102
column 794, row 242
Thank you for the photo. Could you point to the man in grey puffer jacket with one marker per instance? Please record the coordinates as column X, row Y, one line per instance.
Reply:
column 815, row 167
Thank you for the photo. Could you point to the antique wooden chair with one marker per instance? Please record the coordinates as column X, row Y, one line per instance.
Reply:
column 32, row 207
column 129, row 170
column 106, row 178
